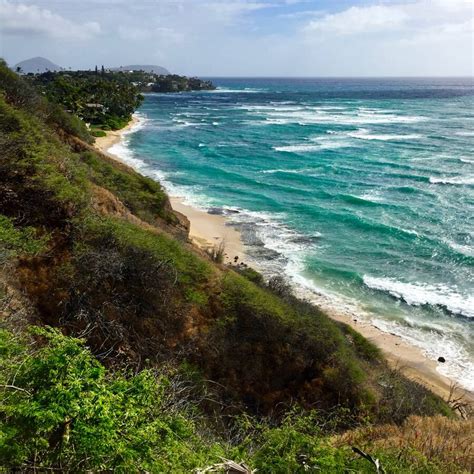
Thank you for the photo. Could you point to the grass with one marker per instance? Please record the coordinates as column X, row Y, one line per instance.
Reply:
column 446, row 442
column 192, row 271
column 143, row 196
column 37, row 170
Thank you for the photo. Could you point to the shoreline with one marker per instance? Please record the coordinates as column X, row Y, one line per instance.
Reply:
column 207, row 231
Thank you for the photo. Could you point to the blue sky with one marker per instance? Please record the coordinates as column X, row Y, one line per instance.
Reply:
column 246, row 37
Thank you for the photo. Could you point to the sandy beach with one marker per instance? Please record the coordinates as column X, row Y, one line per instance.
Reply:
column 209, row 230
column 206, row 230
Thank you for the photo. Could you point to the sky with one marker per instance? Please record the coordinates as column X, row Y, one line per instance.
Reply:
column 246, row 37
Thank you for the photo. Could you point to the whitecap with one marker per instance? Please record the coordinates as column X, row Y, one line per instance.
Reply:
column 418, row 294
column 297, row 148
column 318, row 143
column 225, row 90
column 466, row 180
column 372, row 196
column 291, row 171
column 364, row 134
column 466, row 250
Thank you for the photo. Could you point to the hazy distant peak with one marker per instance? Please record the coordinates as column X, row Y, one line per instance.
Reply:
column 142, row 67
column 37, row 65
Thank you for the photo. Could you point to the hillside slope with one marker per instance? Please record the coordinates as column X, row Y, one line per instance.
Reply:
column 94, row 249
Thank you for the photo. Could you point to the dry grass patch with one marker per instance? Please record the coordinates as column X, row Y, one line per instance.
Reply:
column 448, row 441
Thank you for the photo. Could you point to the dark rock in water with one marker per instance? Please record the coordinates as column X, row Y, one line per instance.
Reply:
column 305, row 239
column 441, row 359
column 218, row 211
column 248, row 234
column 264, row 253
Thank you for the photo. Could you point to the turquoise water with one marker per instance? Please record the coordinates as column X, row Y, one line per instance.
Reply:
column 361, row 192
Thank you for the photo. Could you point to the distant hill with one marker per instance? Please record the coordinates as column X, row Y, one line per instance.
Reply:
column 36, row 65
column 142, row 67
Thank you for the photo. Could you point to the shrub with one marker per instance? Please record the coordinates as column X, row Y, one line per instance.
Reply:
column 250, row 274
column 216, row 252
column 16, row 241
column 41, row 181
column 143, row 196
column 98, row 133
column 61, row 410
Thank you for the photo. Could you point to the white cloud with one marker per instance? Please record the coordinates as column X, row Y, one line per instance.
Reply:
column 162, row 34
column 21, row 19
column 359, row 20
column 249, row 37
column 407, row 19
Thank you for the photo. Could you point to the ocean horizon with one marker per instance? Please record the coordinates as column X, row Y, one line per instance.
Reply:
column 360, row 191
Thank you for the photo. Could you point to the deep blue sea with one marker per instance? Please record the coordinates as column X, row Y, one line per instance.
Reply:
column 360, row 191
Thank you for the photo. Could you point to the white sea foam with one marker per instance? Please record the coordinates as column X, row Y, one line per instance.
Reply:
column 297, row 148
column 282, row 170
column 321, row 114
column 185, row 123
column 417, row 294
column 465, row 134
column 433, row 339
column 226, row 90
column 364, row 134
column 461, row 180
column 372, row 196
column 466, row 250
column 330, row 142
column 436, row 342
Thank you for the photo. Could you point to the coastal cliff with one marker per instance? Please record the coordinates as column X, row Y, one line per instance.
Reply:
column 162, row 359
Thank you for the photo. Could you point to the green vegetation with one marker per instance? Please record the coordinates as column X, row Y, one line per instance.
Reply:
column 180, row 362
column 98, row 133
column 103, row 99
column 143, row 196
column 19, row 241
column 24, row 96
column 174, row 83
column 61, row 409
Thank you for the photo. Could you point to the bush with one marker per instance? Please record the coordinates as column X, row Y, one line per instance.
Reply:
column 17, row 241
column 41, row 181
column 98, row 133
column 58, row 118
column 251, row 274
column 216, row 252
column 61, row 410
column 142, row 195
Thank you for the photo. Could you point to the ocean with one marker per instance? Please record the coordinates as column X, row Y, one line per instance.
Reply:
column 359, row 191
